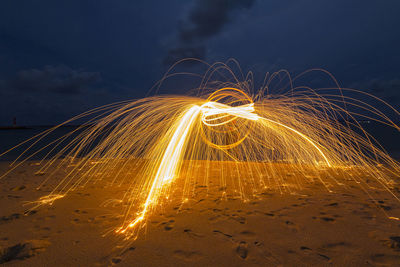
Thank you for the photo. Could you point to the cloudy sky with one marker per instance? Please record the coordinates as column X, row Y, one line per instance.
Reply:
column 61, row 58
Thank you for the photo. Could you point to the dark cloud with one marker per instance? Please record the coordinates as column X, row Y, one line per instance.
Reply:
column 205, row 20
column 53, row 79
column 126, row 42
column 208, row 18
column 51, row 94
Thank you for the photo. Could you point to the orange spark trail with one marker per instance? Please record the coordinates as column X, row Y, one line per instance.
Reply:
column 169, row 163
column 249, row 138
column 168, row 167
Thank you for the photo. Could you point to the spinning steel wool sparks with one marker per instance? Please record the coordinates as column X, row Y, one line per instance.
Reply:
column 173, row 137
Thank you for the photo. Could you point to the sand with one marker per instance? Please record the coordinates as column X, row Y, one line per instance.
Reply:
column 308, row 227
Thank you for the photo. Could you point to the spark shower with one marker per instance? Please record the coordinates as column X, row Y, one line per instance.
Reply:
column 254, row 137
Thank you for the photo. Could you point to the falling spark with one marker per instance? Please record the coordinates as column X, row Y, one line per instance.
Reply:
column 268, row 139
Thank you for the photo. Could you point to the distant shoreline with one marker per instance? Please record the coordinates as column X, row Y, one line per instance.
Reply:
column 14, row 127
column 37, row 126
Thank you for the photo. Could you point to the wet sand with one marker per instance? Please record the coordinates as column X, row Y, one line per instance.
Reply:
column 307, row 227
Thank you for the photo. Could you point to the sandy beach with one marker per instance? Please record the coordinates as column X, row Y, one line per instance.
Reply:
column 199, row 133
column 308, row 227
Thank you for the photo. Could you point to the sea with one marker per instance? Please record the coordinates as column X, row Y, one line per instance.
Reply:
column 10, row 137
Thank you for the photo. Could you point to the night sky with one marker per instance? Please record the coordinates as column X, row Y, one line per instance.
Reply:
column 61, row 58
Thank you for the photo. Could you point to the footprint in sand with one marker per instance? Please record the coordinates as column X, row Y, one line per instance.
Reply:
column 325, row 219
column 219, row 215
column 218, row 232
column 116, row 260
column 292, row 226
column 395, row 242
column 13, row 196
column 169, row 225
column 192, row 234
column 324, row 257
column 247, row 234
column 117, row 255
column 333, row 204
column 338, row 247
column 80, row 211
column 306, row 249
column 76, row 221
column 242, row 250
column 384, row 205
column 100, row 218
column 6, row 219
column 309, row 251
column 392, row 242
column 39, row 228
column 216, row 218
column 385, row 260
column 268, row 214
column 18, row 188
column 238, row 218
column 23, row 251
column 266, row 253
column 187, row 255
column 126, row 250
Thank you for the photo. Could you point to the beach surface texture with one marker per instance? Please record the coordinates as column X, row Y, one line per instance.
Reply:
column 283, row 226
